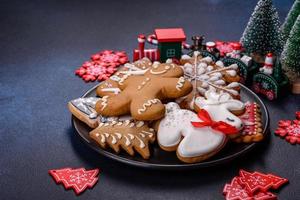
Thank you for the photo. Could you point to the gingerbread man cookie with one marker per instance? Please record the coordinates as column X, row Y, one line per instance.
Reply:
column 110, row 86
column 142, row 92
column 192, row 144
column 128, row 135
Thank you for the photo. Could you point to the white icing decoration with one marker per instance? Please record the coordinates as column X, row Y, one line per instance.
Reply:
column 180, row 83
column 119, row 135
column 231, row 72
column 102, row 138
column 148, row 104
column 219, row 105
column 121, row 81
column 143, row 83
column 148, row 133
column 130, row 136
column 185, row 57
column 139, row 124
column 233, row 85
column 114, row 90
column 158, row 72
column 143, row 135
column 114, row 140
column 115, row 78
column 137, row 72
column 106, row 135
column 127, row 141
column 142, row 144
column 97, row 134
column 169, row 60
column 119, row 123
column 219, row 63
column 127, row 122
column 104, row 102
column 131, row 125
column 196, row 141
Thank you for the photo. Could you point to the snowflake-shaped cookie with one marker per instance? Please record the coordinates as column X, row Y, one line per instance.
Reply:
column 290, row 130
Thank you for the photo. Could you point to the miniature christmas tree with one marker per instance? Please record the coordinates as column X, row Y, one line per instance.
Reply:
column 262, row 32
column 277, row 73
column 291, row 53
column 290, row 20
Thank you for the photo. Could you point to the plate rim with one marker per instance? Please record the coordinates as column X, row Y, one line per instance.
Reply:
column 204, row 164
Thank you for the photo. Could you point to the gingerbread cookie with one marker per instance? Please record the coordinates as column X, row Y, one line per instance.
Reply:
column 141, row 92
column 252, row 131
column 178, row 131
column 128, row 135
column 221, row 106
column 84, row 110
column 229, row 74
column 110, row 86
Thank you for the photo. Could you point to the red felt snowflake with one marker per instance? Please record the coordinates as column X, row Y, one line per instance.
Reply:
column 102, row 65
column 77, row 179
column 290, row 130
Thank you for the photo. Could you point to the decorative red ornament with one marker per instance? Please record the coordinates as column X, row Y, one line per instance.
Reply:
column 277, row 181
column 102, row 65
column 256, row 181
column 234, row 191
column 77, row 179
column 264, row 196
column 253, row 186
column 227, row 47
column 298, row 115
column 290, row 130
column 219, row 126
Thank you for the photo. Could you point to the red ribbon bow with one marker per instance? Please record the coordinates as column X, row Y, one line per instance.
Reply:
column 219, row 126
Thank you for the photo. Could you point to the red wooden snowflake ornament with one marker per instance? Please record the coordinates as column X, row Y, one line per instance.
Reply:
column 102, row 65
column 77, row 179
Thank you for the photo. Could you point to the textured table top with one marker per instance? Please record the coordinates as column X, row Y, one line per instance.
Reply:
column 43, row 42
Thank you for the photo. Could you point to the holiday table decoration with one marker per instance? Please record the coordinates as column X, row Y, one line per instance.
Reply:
column 102, row 65
column 290, row 20
column 290, row 130
column 77, row 179
column 253, row 186
column 291, row 56
column 270, row 81
column 262, row 33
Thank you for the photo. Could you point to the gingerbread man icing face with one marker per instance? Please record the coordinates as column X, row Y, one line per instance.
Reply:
column 142, row 91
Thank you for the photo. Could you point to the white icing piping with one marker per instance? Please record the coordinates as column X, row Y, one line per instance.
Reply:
column 104, row 102
column 148, row 104
column 114, row 90
column 180, row 83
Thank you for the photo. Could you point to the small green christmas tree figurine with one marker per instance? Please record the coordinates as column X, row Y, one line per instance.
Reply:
column 290, row 20
column 291, row 52
column 262, row 33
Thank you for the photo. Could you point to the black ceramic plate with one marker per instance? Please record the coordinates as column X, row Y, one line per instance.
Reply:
column 167, row 160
